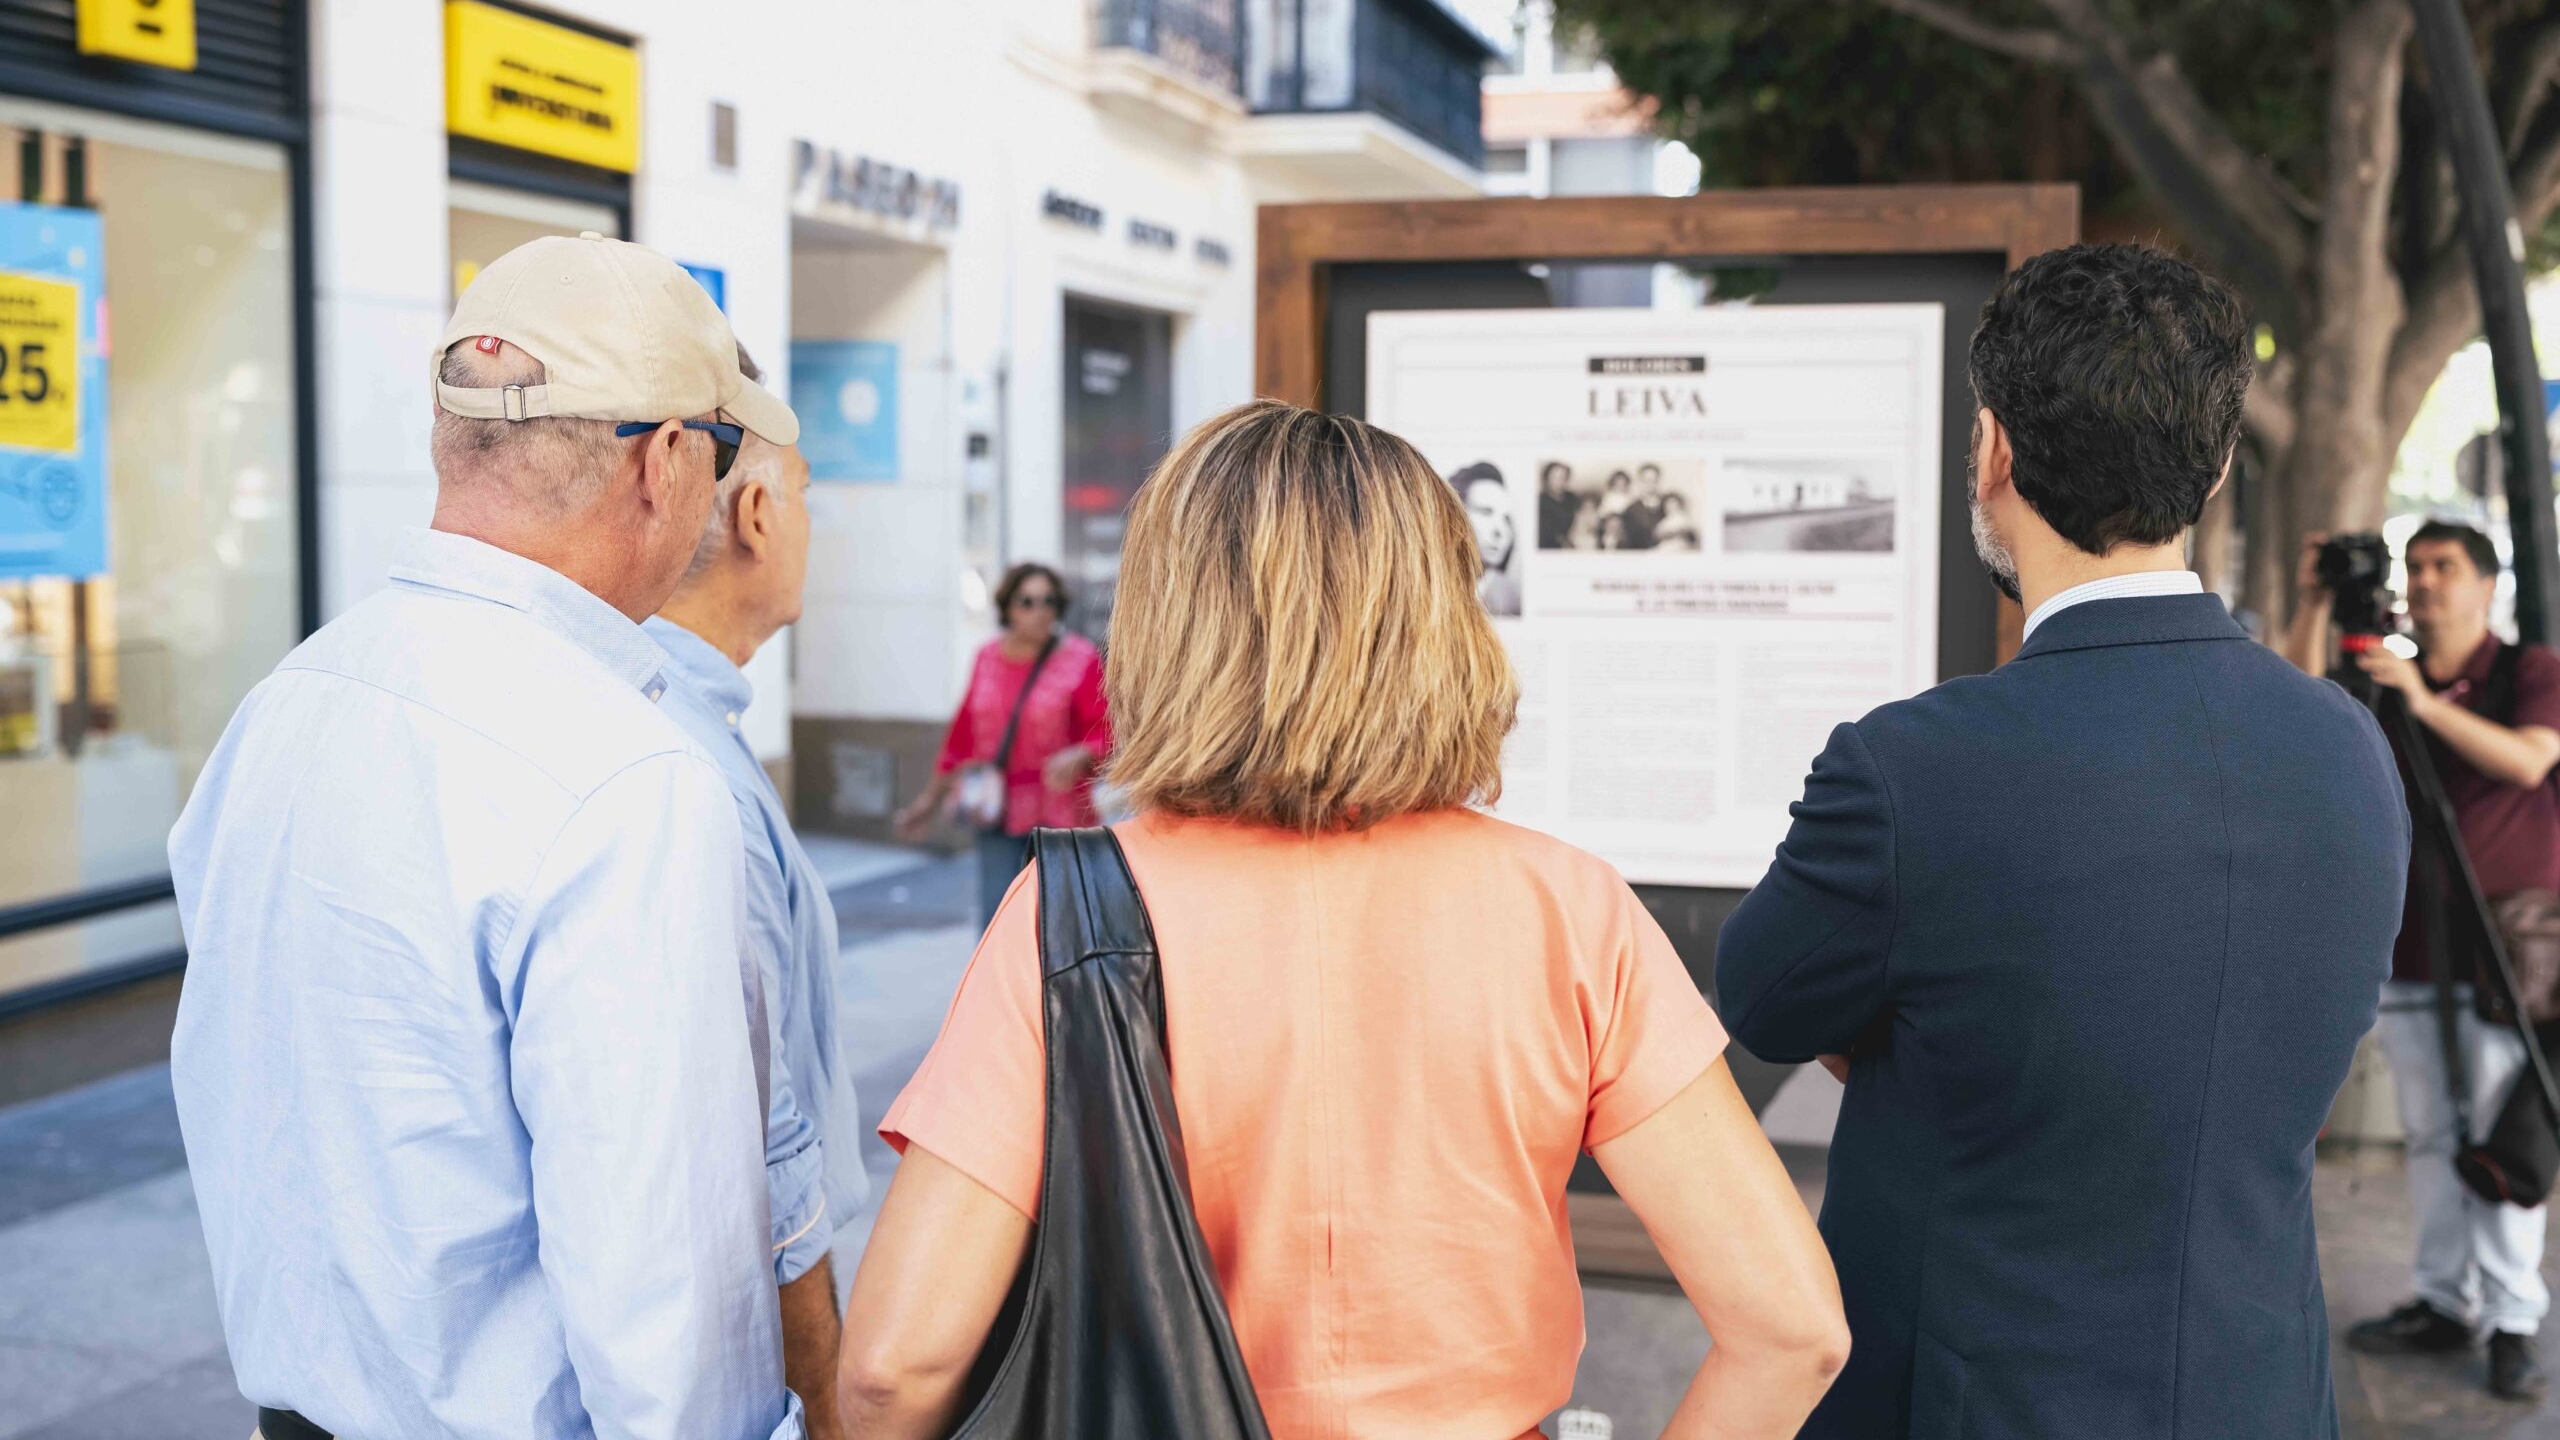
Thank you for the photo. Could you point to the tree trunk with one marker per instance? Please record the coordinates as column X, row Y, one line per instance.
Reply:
column 2336, row 473
column 2267, row 582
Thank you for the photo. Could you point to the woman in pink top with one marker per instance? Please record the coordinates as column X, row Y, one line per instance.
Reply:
column 1393, row 1021
column 1064, row 732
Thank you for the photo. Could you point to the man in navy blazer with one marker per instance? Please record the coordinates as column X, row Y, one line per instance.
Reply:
column 2097, row 933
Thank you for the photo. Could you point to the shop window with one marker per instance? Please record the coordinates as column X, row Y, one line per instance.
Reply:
column 116, row 682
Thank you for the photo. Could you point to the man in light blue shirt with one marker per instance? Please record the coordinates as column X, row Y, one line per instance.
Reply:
column 742, row 586
column 468, row 1061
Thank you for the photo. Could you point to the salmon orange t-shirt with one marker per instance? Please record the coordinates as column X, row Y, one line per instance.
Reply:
column 1388, row 1047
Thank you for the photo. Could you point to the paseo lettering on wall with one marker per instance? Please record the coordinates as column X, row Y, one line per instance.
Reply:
column 1058, row 205
column 874, row 187
column 1141, row 234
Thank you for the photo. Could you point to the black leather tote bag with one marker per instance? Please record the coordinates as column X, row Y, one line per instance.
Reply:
column 1115, row 1329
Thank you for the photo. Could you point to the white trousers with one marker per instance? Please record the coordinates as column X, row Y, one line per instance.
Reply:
column 2476, row 1261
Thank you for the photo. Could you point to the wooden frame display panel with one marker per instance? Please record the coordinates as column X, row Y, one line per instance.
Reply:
column 1296, row 243
column 1299, row 244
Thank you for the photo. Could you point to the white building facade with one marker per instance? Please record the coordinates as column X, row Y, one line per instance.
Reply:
column 997, row 253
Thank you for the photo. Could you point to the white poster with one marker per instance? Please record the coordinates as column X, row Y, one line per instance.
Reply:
column 1709, row 537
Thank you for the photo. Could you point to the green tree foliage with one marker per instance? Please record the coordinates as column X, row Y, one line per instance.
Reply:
column 2290, row 144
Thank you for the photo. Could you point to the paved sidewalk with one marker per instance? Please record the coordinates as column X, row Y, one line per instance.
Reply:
column 107, row 1323
column 108, row 1329
column 2365, row 1244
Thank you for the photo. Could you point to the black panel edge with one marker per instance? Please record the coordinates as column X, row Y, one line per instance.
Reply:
column 73, row 988
column 81, row 905
column 487, row 164
column 303, row 196
column 566, row 22
column 89, row 92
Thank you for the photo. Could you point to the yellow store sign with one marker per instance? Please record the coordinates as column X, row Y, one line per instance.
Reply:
column 148, row 32
column 39, row 363
column 516, row 81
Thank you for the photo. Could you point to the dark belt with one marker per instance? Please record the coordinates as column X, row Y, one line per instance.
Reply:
column 285, row 1425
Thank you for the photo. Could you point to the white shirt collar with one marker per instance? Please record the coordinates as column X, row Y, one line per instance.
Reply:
column 2116, row 587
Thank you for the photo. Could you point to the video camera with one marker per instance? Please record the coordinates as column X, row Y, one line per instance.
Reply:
column 2356, row 569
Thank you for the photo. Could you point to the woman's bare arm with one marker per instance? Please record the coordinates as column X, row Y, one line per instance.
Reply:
column 1718, row 1204
column 941, row 1259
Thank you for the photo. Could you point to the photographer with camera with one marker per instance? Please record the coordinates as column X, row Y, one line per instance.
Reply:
column 2491, row 715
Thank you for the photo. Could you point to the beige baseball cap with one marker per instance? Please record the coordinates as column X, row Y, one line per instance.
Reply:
column 622, row 332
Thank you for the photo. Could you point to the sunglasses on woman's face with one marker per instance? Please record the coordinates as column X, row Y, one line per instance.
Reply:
column 1035, row 600
column 725, row 439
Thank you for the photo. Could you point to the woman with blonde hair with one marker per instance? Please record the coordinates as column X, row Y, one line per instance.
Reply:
column 1393, row 1021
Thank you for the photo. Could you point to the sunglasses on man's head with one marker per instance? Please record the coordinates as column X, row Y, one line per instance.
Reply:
column 725, row 439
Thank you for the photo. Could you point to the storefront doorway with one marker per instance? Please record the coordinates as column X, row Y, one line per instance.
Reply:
column 1118, row 424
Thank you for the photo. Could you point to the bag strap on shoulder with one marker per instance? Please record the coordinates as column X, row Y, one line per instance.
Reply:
column 1013, row 722
column 1089, row 902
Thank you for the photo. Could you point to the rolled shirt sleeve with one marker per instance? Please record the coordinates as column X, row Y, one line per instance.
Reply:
column 794, row 1152
column 634, row 1070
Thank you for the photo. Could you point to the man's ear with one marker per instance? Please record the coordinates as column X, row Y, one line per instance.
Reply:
column 1991, row 459
column 2225, row 477
column 751, row 521
column 659, row 469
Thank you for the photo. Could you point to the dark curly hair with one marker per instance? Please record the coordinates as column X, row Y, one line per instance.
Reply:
column 1013, row 581
column 2118, row 372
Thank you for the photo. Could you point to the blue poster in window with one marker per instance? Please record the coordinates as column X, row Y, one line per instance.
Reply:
column 846, row 393
column 714, row 280
column 53, row 393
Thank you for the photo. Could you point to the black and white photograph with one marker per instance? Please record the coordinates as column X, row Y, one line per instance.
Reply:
column 1487, row 496
column 1626, row 504
column 1600, row 531
column 1808, row 505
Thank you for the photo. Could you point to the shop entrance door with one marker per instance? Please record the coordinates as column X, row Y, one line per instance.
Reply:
column 1119, row 423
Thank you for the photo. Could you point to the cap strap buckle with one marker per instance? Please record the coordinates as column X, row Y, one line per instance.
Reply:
column 511, row 402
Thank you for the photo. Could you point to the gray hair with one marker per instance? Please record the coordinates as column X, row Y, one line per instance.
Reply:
column 724, row 498
column 554, row 464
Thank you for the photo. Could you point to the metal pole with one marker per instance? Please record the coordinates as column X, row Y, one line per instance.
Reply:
column 1298, row 60
column 2496, row 243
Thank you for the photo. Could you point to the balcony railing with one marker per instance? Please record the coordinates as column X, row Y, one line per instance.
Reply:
column 1200, row 38
column 1410, row 61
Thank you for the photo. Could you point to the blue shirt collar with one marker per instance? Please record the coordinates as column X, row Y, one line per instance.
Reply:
column 460, row 565
column 701, row 666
